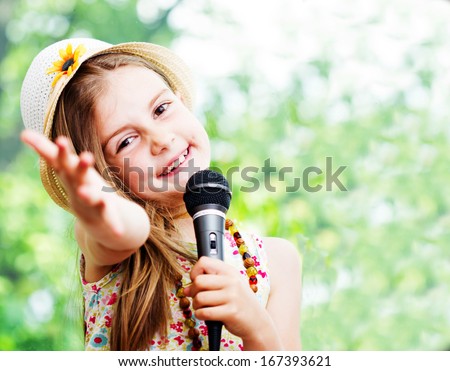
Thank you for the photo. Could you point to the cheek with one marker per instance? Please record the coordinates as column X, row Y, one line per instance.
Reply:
column 135, row 181
column 200, row 136
column 133, row 175
column 206, row 146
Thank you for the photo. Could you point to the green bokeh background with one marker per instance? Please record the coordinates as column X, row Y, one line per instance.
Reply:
column 363, row 83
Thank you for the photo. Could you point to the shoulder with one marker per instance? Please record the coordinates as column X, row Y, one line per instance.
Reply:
column 280, row 250
column 283, row 261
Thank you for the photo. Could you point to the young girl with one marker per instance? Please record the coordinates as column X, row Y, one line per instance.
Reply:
column 118, row 141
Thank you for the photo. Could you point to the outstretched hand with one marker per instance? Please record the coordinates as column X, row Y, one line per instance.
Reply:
column 80, row 180
column 110, row 228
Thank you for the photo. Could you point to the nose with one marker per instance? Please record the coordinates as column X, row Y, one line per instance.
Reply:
column 161, row 140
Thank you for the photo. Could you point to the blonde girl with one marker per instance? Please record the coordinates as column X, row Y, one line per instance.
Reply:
column 118, row 141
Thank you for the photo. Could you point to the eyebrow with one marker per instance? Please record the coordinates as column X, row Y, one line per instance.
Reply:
column 151, row 104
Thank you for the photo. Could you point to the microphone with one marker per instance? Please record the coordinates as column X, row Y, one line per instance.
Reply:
column 207, row 199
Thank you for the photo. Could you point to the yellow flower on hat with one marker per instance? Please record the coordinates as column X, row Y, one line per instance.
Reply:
column 68, row 63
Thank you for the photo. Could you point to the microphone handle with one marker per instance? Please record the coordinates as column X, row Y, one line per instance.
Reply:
column 209, row 235
column 214, row 334
column 209, row 229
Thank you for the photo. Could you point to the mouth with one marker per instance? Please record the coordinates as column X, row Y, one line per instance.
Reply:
column 171, row 168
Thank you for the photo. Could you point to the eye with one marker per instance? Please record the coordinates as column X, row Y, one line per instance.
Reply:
column 125, row 143
column 161, row 109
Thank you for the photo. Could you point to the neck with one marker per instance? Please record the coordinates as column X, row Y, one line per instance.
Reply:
column 183, row 222
column 179, row 212
column 186, row 229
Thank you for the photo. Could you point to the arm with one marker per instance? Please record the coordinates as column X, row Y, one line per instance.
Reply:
column 285, row 293
column 109, row 228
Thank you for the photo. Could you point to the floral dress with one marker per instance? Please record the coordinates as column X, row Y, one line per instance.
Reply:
column 100, row 298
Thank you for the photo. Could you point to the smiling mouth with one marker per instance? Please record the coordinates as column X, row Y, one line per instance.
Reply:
column 174, row 165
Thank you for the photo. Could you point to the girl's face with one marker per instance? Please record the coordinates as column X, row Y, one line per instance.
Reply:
column 149, row 136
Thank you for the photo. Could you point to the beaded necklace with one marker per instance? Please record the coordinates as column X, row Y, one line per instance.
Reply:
column 185, row 303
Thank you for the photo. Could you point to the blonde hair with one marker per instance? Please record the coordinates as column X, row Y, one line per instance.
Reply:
column 149, row 274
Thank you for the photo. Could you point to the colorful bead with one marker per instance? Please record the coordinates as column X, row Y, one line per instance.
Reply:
column 243, row 249
column 184, row 303
column 232, row 230
column 178, row 284
column 246, row 256
column 249, row 262
column 197, row 342
column 239, row 242
column 228, row 224
column 180, row 292
column 237, row 235
column 252, row 280
column 252, row 271
column 190, row 322
column 193, row 333
column 187, row 313
column 254, row 288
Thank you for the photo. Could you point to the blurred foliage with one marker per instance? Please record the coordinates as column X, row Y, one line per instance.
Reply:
column 364, row 84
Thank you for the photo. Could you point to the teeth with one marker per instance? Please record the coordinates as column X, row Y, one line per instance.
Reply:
column 176, row 163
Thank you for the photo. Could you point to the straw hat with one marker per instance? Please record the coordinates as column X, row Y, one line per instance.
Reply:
column 53, row 68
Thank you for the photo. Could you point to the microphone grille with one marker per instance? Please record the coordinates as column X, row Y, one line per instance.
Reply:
column 207, row 187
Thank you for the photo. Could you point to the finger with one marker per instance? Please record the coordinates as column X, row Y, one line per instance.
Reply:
column 40, row 144
column 217, row 313
column 206, row 299
column 206, row 265
column 90, row 196
column 67, row 160
column 206, row 282
column 86, row 159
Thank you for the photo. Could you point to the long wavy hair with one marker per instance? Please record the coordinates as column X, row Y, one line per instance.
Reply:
column 143, row 307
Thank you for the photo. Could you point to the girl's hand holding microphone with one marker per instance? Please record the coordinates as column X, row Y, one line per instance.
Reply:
column 220, row 293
